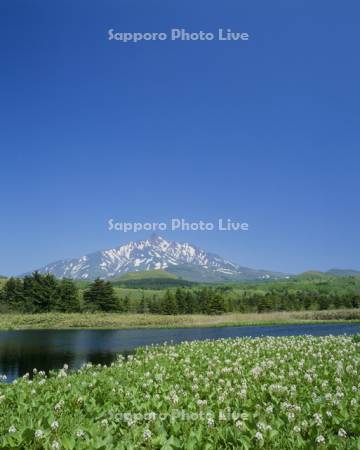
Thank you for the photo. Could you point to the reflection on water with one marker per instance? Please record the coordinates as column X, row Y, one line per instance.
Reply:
column 21, row 351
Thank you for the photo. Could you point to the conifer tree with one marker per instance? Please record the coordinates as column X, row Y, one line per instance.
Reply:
column 215, row 303
column 169, row 303
column 12, row 294
column 101, row 296
column 203, row 297
column 190, row 306
column 142, row 307
column 40, row 292
column 124, row 304
column 180, row 297
column 68, row 299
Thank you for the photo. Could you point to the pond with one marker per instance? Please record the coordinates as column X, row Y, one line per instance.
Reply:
column 21, row 351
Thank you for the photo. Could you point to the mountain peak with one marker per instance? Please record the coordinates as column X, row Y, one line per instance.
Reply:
column 155, row 238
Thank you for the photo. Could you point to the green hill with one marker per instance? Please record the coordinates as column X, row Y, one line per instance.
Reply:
column 152, row 279
column 145, row 275
column 312, row 274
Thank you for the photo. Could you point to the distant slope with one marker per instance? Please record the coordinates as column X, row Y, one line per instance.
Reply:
column 203, row 275
column 312, row 275
column 144, row 275
column 153, row 279
column 344, row 272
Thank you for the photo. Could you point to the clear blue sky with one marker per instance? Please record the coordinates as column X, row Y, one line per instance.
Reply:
column 265, row 131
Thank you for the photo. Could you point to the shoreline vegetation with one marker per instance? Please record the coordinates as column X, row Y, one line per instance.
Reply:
column 296, row 392
column 41, row 301
column 102, row 320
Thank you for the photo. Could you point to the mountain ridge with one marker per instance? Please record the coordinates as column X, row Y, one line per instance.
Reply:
column 183, row 259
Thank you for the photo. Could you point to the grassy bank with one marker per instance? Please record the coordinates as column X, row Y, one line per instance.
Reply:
column 268, row 393
column 123, row 321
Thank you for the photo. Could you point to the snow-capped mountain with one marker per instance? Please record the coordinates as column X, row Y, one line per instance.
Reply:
column 182, row 259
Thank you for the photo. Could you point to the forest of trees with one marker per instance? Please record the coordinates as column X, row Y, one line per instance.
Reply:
column 216, row 301
column 38, row 293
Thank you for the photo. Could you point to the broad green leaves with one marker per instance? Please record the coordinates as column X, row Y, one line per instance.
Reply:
column 286, row 393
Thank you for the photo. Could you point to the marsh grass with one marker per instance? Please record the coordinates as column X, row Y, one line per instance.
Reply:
column 124, row 321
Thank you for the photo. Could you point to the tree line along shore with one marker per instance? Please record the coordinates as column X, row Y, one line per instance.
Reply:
column 38, row 293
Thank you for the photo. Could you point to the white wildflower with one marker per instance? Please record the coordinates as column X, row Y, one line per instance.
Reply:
column 210, row 422
column 59, row 405
column 342, row 433
column 259, row 436
column 104, row 423
column 239, row 424
column 318, row 419
column 39, row 434
column 151, row 416
column 147, row 434
column 290, row 416
column 320, row 439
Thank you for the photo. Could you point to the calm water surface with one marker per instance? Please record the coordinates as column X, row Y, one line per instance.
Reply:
column 21, row 351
